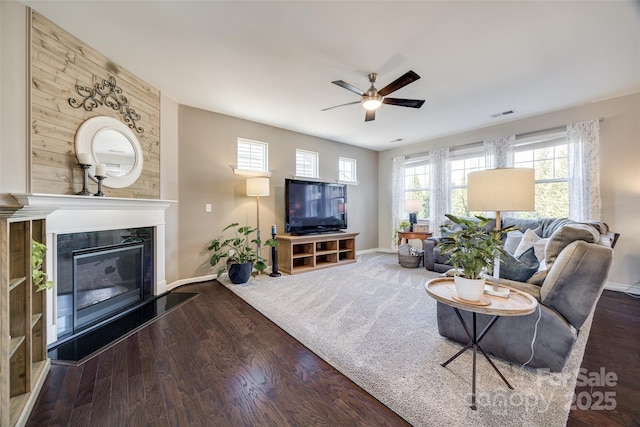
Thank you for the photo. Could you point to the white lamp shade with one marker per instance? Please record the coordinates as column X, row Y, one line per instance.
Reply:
column 503, row 189
column 258, row 186
column 412, row 205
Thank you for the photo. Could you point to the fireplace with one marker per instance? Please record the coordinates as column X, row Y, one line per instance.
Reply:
column 101, row 274
column 79, row 223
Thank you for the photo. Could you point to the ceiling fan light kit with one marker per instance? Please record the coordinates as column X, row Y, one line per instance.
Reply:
column 374, row 98
column 371, row 102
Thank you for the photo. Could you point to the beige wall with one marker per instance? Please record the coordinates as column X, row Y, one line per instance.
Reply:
column 169, row 182
column 208, row 153
column 13, row 100
column 60, row 62
column 619, row 170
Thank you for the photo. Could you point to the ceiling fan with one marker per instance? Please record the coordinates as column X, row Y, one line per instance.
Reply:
column 373, row 98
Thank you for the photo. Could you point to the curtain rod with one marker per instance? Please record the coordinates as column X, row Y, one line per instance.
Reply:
column 518, row 135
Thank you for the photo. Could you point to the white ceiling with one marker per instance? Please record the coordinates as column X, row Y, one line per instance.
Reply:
column 273, row 62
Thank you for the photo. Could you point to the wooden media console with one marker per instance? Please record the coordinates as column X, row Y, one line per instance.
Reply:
column 298, row 254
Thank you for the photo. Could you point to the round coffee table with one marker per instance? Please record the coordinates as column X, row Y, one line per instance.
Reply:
column 517, row 304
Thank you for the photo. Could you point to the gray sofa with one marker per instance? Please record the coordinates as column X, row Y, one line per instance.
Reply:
column 578, row 257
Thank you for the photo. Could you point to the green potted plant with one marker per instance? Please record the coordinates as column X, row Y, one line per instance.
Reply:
column 240, row 252
column 402, row 226
column 472, row 248
column 39, row 277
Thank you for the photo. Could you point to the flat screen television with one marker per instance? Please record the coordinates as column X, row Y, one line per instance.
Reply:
column 313, row 207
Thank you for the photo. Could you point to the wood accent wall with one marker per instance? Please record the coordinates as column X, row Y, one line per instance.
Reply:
column 59, row 62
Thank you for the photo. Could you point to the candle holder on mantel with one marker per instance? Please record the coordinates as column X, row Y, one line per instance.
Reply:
column 85, row 177
column 100, row 179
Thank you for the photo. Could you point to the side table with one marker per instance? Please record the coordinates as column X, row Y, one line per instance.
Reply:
column 418, row 235
column 518, row 304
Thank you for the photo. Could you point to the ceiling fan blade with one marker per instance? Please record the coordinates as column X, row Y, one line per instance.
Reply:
column 398, row 83
column 413, row 103
column 347, row 86
column 371, row 115
column 341, row 105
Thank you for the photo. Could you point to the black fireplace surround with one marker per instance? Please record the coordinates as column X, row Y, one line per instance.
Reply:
column 101, row 274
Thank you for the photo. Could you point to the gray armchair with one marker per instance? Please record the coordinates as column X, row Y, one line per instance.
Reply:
column 570, row 289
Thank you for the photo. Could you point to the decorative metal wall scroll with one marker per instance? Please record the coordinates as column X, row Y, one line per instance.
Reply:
column 109, row 95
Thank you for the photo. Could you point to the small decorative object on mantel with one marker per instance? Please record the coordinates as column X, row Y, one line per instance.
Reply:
column 109, row 95
column 100, row 175
column 84, row 161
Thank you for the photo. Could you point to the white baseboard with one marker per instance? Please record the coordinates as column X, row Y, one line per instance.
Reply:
column 182, row 282
column 619, row 287
column 368, row 251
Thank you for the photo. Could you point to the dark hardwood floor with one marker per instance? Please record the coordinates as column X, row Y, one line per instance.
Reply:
column 613, row 347
column 215, row 361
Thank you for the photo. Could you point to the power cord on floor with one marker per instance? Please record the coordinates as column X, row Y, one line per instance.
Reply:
column 535, row 333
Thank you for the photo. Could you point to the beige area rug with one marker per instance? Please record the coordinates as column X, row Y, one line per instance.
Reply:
column 374, row 322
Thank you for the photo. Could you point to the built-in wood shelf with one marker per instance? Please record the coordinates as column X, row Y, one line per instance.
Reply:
column 35, row 318
column 14, row 344
column 15, row 282
column 23, row 350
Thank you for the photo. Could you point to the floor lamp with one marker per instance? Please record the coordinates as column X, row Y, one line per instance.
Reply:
column 256, row 187
column 503, row 189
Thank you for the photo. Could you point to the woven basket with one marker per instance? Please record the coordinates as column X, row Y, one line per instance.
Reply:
column 409, row 261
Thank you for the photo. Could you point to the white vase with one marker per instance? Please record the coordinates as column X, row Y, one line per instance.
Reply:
column 469, row 289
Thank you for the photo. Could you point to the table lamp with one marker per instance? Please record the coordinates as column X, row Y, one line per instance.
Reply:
column 413, row 206
column 502, row 189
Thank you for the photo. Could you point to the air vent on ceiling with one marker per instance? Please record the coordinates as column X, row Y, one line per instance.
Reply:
column 504, row 113
column 395, row 140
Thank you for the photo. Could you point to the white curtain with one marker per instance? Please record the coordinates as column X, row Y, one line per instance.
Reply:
column 440, row 190
column 500, row 153
column 397, row 196
column 584, row 170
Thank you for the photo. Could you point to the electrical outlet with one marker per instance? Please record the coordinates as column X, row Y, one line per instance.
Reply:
column 207, row 207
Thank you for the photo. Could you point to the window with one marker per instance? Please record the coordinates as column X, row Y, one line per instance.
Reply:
column 464, row 162
column 417, row 181
column 306, row 163
column 347, row 169
column 252, row 155
column 548, row 155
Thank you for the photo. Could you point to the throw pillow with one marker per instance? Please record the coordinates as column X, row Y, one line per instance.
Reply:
column 404, row 249
column 512, row 241
column 539, row 247
column 518, row 269
column 527, row 242
column 559, row 240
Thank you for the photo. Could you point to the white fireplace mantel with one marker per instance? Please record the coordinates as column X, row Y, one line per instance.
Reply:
column 57, row 201
column 76, row 214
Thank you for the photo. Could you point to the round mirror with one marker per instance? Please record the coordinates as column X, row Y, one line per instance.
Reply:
column 112, row 143
column 114, row 150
